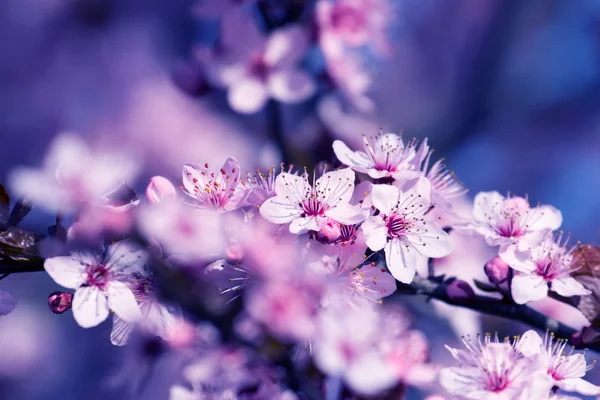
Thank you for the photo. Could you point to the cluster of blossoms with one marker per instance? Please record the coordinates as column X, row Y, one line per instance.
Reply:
column 305, row 259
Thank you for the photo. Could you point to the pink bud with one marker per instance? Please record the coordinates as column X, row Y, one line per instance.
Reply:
column 59, row 302
column 234, row 253
column 460, row 291
column 330, row 232
column 160, row 189
column 496, row 270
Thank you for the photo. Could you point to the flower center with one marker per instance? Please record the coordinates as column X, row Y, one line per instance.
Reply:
column 142, row 287
column 313, row 207
column 259, row 68
column 98, row 276
column 396, row 225
column 347, row 19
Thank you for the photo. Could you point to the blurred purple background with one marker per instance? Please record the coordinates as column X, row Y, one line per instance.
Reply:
column 507, row 92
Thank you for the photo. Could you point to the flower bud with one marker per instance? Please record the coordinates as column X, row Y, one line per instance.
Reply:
column 330, row 232
column 59, row 302
column 496, row 270
column 159, row 189
column 460, row 291
column 234, row 253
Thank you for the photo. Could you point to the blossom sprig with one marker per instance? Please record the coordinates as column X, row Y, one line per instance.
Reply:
column 325, row 255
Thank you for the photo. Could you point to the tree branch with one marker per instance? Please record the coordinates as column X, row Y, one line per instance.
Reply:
column 491, row 306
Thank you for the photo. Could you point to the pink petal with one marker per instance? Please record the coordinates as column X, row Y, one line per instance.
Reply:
column 579, row 385
column 530, row 344
column 486, row 203
column 337, row 186
column 385, row 197
column 375, row 233
column 545, row 217
column 519, row 261
column 431, row 241
column 247, row 96
column 126, row 257
column 347, row 214
column 280, row 210
column 401, row 260
column 286, row 46
column 66, row 271
column 122, row 301
column 357, row 160
column 90, row 306
column 303, row 225
column 568, row 287
column 291, row 85
column 528, row 287
column 417, row 199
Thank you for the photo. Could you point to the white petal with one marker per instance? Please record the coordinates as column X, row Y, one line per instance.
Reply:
column 336, row 186
column 291, row 85
column 347, row 214
column 568, row 286
column 90, row 306
column 122, row 301
column 121, row 331
column 544, row 217
column 357, row 160
column 38, row 186
column 375, row 233
column 126, row 257
column 431, row 240
column 528, row 287
column 530, row 344
column 486, row 204
column 517, row 260
column 417, row 199
column 66, row 271
column 303, row 225
column 291, row 186
column 370, row 375
column 385, row 197
column 247, row 96
column 286, row 46
column 279, row 210
column 579, row 385
column 401, row 260
column 461, row 381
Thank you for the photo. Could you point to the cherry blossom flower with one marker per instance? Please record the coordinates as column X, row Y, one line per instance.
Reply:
column 352, row 23
column 99, row 281
column 354, row 357
column 545, row 267
column 350, row 278
column 254, row 68
column 72, row 174
column 353, row 82
column 220, row 191
column 261, row 186
column 494, row 370
column 385, row 156
column 506, row 221
column 445, row 186
column 307, row 207
column 157, row 318
column 402, row 230
column 565, row 369
column 180, row 229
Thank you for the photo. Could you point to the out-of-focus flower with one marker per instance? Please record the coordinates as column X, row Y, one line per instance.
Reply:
column 402, row 230
column 157, row 318
column 494, row 370
column 219, row 191
column 506, row 221
column 355, row 356
column 545, row 267
column 261, row 186
column 159, row 189
column 7, row 303
column 352, row 23
column 307, row 207
column 445, row 186
column 181, row 230
column 350, row 279
column 352, row 81
column 565, row 369
column 385, row 156
column 230, row 278
column 72, row 174
column 98, row 281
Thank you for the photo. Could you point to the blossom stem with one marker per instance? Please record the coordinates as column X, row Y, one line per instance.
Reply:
column 492, row 306
column 8, row 267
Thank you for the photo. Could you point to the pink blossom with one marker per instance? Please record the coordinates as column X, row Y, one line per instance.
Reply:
column 261, row 186
column 157, row 318
column 98, row 281
column 352, row 23
column 72, row 174
column 565, row 369
column 159, row 189
column 545, row 267
column 181, row 230
column 494, row 370
column 349, row 277
column 308, row 207
column 505, row 221
column 220, row 191
column 385, row 156
column 402, row 229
